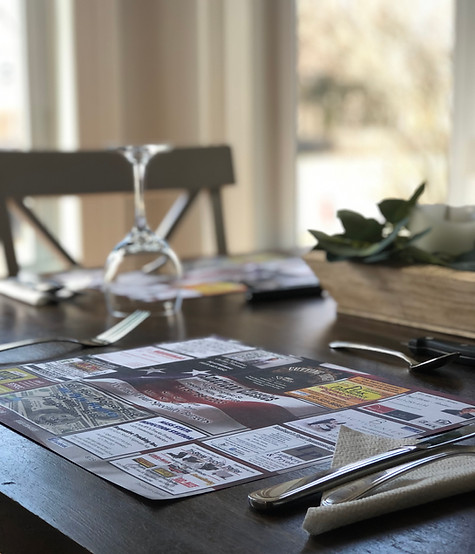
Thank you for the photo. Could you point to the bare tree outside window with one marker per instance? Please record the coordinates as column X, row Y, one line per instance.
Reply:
column 375, row 84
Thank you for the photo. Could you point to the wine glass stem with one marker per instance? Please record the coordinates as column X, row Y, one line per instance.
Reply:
column 139, row 195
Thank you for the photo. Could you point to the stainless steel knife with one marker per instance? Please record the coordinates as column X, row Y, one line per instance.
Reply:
column 429, row 346
column 283, row 493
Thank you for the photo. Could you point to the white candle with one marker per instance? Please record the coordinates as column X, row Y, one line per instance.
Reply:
column 452, row 229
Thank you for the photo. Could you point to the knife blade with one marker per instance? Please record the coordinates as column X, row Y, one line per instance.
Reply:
column 429, row 346
column 297, row 489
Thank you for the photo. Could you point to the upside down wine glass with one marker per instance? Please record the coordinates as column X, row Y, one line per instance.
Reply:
column 142, row 271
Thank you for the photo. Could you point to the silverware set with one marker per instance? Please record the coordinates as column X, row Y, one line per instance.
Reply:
column 426, row 450
column 359, row 479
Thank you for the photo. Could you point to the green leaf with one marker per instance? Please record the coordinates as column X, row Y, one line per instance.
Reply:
column 414, row 255
column 337, row 245
column 359, row 227
column 419, row 235
column 335, row 258
column 343, row 246
column 463, row 266
column 382, row 256
column 394, row 210
column 417, row 194
column 464, row 262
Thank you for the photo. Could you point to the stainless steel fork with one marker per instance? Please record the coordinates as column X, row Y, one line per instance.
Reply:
column 110, row 336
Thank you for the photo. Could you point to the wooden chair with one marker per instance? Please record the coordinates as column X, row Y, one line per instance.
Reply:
column 40, row 173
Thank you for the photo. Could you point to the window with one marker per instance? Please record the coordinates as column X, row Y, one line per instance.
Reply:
column 13, row 94
column 12, row 76
column 374, row 108
column 28, row 108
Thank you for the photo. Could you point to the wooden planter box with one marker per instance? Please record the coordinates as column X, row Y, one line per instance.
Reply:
column 424, row 296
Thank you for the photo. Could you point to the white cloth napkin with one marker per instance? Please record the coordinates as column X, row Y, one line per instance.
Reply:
column 435, row 480
column 24, row 292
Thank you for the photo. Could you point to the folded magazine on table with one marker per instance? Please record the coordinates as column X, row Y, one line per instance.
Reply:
column 176, row 419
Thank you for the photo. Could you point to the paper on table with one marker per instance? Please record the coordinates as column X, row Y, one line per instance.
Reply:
column 23, row 292
column 436, row 480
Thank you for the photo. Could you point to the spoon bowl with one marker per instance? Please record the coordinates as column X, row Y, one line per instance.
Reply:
column 413, row 365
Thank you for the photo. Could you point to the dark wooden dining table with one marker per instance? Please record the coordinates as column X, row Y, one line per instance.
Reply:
column 48, row 504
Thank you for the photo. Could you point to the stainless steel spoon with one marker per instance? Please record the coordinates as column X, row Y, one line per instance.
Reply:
column 364, row 486
column 413, row 365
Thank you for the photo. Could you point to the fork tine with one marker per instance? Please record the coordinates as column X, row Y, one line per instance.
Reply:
column 129, row 323
column 123, row 327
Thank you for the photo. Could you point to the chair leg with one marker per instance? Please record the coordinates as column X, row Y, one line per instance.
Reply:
column 217, row 205
column 43, row 232
column 7, row 239
column 175, row 214
column 181, row 206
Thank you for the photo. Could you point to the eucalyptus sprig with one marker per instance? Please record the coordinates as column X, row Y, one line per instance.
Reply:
column 369, row 241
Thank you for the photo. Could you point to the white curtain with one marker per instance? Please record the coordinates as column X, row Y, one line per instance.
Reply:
column 462, row 156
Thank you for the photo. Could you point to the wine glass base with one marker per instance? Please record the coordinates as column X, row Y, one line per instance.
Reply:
column 142, row 273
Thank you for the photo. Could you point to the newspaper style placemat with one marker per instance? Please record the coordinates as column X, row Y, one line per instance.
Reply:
column 176, row 419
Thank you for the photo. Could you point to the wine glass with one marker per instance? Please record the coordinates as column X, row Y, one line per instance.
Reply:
column 142, row 271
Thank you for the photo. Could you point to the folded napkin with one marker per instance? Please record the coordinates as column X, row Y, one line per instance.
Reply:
column 24, row 292
column 439, row 479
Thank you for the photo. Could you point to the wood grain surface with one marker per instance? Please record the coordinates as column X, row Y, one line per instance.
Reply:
column 48, row 504
column 430, row 297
